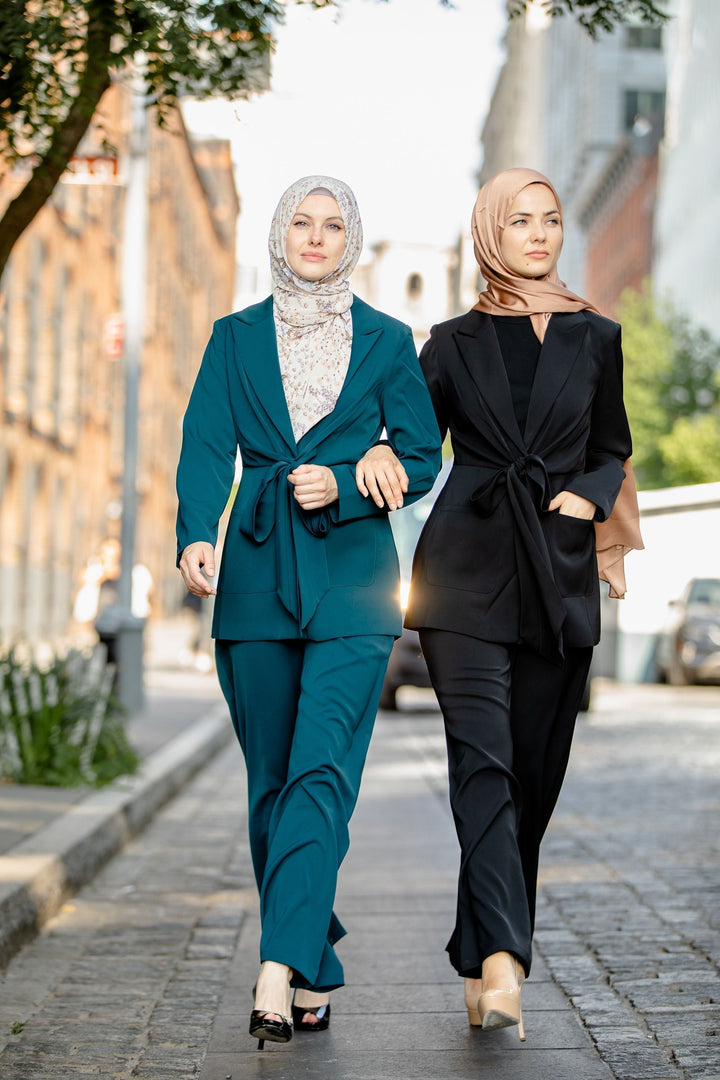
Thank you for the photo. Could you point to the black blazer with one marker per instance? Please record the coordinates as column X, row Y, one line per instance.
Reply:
column 491, row 561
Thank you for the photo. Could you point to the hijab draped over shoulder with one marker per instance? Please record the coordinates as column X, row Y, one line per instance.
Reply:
column 313, row 323
column 508, row 293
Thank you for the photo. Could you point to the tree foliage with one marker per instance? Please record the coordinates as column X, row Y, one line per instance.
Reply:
column 57, row 58
column 691, row 451
column 598, row 15
column 212, row 47
column 672, row 393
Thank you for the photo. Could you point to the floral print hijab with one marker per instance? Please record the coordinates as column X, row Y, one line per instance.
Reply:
column 313, row 323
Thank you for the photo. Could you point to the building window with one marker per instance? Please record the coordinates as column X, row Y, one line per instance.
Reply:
column 414, row 286
column 643, row 37
column 644, row 110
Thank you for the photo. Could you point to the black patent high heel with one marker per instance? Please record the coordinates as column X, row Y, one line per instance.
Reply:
column 322, row 1012
column 263, row 1028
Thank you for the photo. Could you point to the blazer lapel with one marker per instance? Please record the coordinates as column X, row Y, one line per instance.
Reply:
column 478, row 344
column 258, row 356
column 367, row 329
column 563, row 341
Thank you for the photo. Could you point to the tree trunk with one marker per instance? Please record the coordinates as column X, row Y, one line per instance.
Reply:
column 95, row 81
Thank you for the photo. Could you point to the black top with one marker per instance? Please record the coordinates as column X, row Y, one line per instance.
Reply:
column 520, row 350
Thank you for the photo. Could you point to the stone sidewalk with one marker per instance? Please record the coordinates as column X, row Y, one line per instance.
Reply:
column 146, row 972
column 54, row 840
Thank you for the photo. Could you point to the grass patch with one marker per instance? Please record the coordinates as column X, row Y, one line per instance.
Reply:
column 60, row 723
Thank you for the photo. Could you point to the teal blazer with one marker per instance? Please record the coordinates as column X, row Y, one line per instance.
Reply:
column 286, row 572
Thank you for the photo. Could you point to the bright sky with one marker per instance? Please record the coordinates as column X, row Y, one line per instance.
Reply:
column 389, row 97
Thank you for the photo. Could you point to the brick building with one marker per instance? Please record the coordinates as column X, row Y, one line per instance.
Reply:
column 61, row 369
column 563, row 103
column 686, row 219
column 618, row 218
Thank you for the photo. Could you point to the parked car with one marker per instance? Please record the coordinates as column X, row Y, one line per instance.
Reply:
column 406, row 666
column 688, row 649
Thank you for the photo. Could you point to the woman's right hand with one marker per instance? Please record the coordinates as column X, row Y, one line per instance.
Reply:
column 194, row 559
column 569, row 504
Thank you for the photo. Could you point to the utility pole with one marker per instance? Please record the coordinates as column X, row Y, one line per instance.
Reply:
column 130, row 680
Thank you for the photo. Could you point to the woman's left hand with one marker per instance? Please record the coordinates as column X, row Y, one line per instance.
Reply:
column 380, row 474
column 315, row 486
column 573, row 505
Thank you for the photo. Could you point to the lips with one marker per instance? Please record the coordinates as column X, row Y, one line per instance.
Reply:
column 313, row 256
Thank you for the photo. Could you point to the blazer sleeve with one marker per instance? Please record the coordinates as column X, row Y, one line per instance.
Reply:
column 609, row 443
column 430, row 365
column 412, row 431
column 206, row 469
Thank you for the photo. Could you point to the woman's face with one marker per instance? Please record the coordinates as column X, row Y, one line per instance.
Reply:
column 316, row 238
column 532, row 237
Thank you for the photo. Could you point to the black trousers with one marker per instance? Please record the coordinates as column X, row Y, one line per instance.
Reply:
column 509, row 720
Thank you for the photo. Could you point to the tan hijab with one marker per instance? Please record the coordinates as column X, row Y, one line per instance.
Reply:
column 508, row 293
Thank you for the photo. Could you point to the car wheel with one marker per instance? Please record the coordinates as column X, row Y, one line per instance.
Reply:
column 677, row 675
column 388, row 697
column 585, row 699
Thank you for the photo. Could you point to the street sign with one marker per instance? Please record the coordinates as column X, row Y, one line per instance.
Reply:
column 114, row 336
column 102, row 169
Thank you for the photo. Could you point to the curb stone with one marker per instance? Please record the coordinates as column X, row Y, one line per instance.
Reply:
column 40, row 873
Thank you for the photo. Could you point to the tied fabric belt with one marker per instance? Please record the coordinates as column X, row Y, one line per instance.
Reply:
column 542, row 612
column 300, row 560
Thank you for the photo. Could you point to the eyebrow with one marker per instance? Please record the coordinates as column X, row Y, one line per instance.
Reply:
column 333, row 217
column 528, row 213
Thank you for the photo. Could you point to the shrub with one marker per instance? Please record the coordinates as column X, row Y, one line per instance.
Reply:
column 59, row 721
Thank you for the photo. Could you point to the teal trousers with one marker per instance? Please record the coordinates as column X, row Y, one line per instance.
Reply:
column 303, row 712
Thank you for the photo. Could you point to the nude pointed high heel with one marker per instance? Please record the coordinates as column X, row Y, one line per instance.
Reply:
column 473, row 990
column 501, row 1007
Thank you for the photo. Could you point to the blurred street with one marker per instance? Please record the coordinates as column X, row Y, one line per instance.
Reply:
column 147, row 971
column 137, row 187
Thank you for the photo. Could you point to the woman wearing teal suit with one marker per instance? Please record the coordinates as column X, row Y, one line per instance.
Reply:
column 306, row 609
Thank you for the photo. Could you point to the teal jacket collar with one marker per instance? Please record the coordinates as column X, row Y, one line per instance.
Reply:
column 260, row 360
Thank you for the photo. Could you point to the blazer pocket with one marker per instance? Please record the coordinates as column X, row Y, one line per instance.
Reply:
column 461, row 551
column 351, row 554
column 247, row 567
column 571, row 541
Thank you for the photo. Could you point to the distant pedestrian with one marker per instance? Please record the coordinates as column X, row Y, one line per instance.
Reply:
column 195, row 651
column 306, row 608
column 98, row 598
column 505, row 581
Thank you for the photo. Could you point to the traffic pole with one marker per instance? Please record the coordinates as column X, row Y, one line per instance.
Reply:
column 130, row 675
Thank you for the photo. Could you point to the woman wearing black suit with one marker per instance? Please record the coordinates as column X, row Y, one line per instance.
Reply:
column 505, row 582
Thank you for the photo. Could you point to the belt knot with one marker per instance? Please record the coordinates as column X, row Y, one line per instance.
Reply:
column 527, row 472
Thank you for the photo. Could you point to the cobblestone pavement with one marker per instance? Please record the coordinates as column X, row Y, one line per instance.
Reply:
column 146, row 972
column 629, row 907
column 630, row 917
